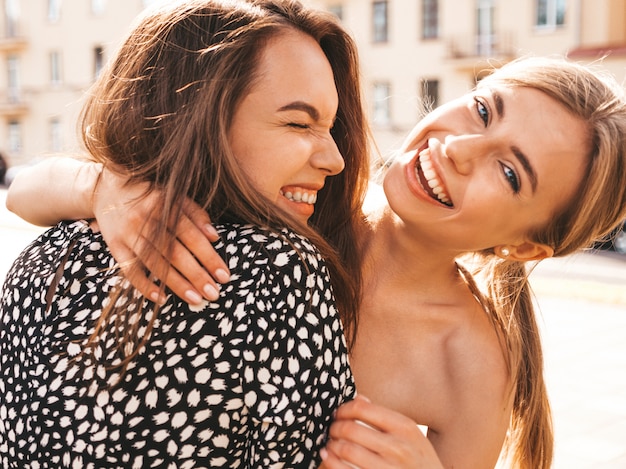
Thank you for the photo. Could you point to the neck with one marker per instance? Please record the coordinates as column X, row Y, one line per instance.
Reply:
column 395, row 257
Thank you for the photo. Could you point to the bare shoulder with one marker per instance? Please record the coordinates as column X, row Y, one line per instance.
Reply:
column 478, row 358
column 472, row 427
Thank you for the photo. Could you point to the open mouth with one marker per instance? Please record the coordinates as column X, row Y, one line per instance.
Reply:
column 299, row 195
column 430, row 181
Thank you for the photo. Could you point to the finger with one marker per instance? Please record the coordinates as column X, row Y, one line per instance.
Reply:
column 133, row 271
column 331, row 460
column 376, row 416
column 190, row 275
column 358, row 433
column 200, row 219
column 155, row 262
column 203, row 254
column 351, row 455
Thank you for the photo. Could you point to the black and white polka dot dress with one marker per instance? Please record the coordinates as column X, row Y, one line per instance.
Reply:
column 249, row 381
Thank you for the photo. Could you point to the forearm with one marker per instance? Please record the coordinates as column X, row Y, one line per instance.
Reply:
column 55, row 189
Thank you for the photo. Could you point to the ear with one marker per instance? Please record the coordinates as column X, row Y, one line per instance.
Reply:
column 527, row 251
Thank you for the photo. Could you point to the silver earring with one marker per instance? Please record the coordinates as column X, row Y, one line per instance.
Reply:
column 504, row 252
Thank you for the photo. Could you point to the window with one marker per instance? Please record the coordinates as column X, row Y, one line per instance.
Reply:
column 56, row 135
column 382, row 108
column 13, row 78
column 12, row 13
column 98, row 60
column 97, row 6
column 15, row 136
column 380, row 21
column 430, row 19
column 485, row 38
column 54, row 10
column 429, row 92
column 55, row 68
column 550, row 13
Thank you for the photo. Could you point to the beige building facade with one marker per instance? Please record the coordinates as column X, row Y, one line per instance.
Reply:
column 411, row 50
column 433, row 50
column 50, row 53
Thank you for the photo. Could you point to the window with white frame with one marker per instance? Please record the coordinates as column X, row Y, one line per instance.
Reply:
column 56, row 135
column 485, row 37
column 55, row 67
column 15, row 136
column 13, row 78
column 382, row 107
column 12, row 13
column 380, row 21
column 550, row 13
column 54, row 10
column 430, row 19
column 98, row 6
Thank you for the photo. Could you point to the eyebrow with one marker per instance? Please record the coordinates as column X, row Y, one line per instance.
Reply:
column 521, row 157
column 302, row 106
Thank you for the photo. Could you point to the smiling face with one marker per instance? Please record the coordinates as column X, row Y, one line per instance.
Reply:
column 280, row 134
column 488, row 168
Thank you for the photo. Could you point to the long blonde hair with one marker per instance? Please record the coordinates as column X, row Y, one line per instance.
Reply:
column 161, row 111
column 598, row 207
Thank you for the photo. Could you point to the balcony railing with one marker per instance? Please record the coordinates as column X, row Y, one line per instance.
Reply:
column 499, row 45
column 12, row 36
column 12, row 102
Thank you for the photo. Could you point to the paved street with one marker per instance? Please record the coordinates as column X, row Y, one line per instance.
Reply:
column 582, row 303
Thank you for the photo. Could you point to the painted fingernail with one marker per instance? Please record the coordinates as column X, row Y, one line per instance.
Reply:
column 210, row 293
column 222, row 276
column 211, row 230
column 192, row 297
column 157, row 298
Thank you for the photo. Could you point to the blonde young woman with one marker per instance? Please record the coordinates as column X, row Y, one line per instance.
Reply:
column 201, row 95
column 529, row 165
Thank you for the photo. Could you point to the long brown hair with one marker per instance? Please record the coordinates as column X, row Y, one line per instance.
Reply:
column 161, row 111
column 598, row 207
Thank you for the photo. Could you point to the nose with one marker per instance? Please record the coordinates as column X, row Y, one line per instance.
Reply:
column 328, row 158
column 464, row 151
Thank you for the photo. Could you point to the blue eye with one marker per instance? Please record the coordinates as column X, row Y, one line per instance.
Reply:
column 511, row 177
column 482, row 110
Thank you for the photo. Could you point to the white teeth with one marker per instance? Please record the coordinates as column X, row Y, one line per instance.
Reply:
column 431, row 177
column 299, row 196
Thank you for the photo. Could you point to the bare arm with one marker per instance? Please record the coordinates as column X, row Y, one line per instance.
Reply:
column 53, row 190
column 68, row 189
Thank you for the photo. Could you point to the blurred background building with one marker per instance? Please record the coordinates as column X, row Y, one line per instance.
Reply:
column 411, row 50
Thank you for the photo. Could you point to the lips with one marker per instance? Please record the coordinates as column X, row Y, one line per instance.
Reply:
column 429, row 179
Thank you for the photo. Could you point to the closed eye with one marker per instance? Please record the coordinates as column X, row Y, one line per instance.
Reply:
column 298, row 125
column 511, row 177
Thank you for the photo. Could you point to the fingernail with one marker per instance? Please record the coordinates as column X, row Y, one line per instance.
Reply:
column 156, row 297
column 211, row 230
column 323, row 453
column 192, row 297
column 222, row 276
column 210, row 293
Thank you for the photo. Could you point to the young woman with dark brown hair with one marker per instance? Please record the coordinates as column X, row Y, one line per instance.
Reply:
column 201, row 95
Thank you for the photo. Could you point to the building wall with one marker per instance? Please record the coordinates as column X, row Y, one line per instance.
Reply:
column 592, row 29
column 46, row 110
